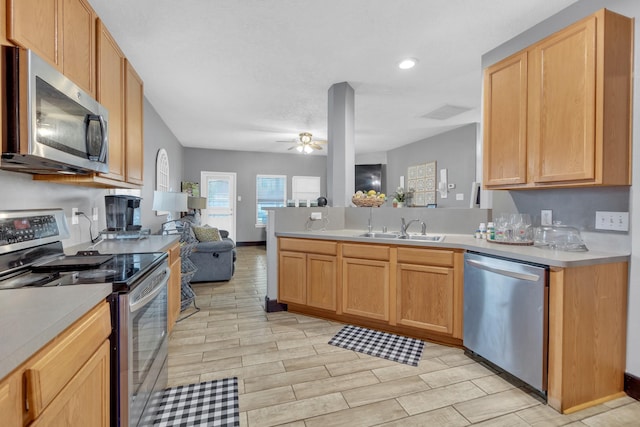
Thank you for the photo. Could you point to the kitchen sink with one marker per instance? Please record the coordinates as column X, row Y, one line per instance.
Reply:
column 427, row 237
column 375, row 235
column 423, row 237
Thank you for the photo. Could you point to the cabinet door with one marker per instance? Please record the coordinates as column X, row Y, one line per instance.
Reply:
column 174, row 292
column 33, row 24
column 134, row 133
column 10, row 401
column 505, row 126
column 321, row 281
column 111, row 95
column 78, row 44
column 85, row 399
column 562, row 105
column 365, row 288
column 425, row 297
column 292, row 278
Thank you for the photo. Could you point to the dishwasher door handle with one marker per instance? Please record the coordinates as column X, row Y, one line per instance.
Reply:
column 509, row 273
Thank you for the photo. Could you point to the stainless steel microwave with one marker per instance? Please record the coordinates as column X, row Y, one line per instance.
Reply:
column 50, row 125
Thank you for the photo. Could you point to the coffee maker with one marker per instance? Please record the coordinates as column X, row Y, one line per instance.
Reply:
column 122, row 213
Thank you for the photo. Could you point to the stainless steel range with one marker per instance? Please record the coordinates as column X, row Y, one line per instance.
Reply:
column 32, row 255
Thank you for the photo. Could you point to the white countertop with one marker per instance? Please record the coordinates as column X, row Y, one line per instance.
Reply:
column 550, row 257
column 152, row 243
column 31, row 317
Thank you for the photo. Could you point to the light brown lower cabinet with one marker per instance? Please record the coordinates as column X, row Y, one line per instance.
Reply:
column 307, row 273
column 67, row 382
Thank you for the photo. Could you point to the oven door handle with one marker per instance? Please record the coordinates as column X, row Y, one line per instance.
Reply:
column 151, row 295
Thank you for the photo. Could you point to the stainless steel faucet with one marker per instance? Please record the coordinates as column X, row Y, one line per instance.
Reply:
column 370, row 225
column 423, row 229
column 403, row 227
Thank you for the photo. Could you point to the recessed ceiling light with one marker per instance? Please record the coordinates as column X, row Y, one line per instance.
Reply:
column 405, row 64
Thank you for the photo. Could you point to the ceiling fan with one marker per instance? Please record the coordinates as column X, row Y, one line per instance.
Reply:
column 306, row 144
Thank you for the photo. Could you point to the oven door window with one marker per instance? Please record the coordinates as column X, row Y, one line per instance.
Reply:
column 148, row 332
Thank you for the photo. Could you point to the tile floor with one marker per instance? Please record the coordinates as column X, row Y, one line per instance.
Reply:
column 289, row 375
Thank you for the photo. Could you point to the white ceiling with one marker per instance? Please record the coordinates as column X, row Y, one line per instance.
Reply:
column 243, row 74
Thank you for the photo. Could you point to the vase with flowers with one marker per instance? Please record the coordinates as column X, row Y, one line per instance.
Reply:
column 400, row 197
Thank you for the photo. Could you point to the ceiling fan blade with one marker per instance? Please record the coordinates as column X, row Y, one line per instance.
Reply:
column 314, row 146
column 319, row 141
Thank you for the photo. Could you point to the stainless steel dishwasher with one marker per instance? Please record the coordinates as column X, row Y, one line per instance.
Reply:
column 505, row 315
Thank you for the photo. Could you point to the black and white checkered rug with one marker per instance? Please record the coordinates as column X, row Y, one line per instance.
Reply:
column 212, row 403
column 381, row 344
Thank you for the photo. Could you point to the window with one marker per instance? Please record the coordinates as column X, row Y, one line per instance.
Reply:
column 271, row 192
column 305, row 187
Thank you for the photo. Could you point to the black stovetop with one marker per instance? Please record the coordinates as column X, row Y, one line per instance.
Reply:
column 47, row 266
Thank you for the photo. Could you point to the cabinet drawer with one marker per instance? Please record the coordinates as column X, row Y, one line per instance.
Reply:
column 310, row 246
column 377, row 252
column 55, row 365
column 425, row 256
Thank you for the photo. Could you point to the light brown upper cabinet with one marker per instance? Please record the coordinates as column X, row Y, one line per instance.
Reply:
column 558, row 114
column 111, row 92
column 134, row 131
column 60, row 31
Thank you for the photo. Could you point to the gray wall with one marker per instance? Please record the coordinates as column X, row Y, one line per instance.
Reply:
column 156, row 136
column 579, row 206
column 454, row 150
column 247, row 165
column 19, row 191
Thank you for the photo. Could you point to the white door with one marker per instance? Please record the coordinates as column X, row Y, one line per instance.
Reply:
column 220, row 190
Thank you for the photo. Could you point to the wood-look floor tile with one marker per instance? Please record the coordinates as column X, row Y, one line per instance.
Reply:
column 456, row 359
column 264, row 398
column 207, row 366
column 198, row 348
column 294, row 411
column 446, row 416
column 323, row 347
column 383, row 391
column 284, row 355
column 398, row 370
column 302, row 342
column 493, row 383
column 358, row 365
column 175, row 381
column 334, row 384
column 510, row 420
column 455, row 375
column 495, row 405
column 183, row 359
column 369, row 415
column 267, row 381
column 319, row 360
column 246, row 373
column 628, row 415
column 221, row 353
column 270, row 337
column 440, row 397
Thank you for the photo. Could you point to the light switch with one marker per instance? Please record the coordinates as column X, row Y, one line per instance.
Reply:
column 459, row 196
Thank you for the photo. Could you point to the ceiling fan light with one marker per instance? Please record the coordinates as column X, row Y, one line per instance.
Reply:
column 305, row 137
column 307, row 149
column 300, row 148
column 407, row 63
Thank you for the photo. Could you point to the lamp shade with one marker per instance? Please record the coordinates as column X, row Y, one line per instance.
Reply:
column 169, row 202
column 197, row 202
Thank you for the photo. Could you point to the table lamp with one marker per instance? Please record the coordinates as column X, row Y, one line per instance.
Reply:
column 195, row 204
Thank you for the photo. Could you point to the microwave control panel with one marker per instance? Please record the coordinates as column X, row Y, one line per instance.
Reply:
column 15, row 230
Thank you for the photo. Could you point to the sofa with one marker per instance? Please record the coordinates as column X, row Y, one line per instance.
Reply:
column 214, row 259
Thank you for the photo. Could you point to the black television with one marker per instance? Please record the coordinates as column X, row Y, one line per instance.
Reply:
column 369, row 177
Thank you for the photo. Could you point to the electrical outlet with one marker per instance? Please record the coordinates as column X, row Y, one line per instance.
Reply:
column 94, row 214
column 616, row 221
column 74, row 215
column 316, row 215
column 546, row 217
column 459, row 196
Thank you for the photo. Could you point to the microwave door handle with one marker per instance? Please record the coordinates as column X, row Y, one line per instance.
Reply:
column 103, row 132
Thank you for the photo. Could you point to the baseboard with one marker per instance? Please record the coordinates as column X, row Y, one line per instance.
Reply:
column 263, row 243
column 632, row 386
column 272, row 305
